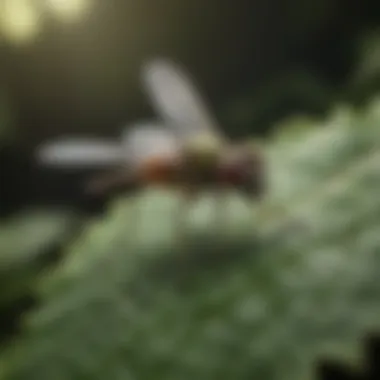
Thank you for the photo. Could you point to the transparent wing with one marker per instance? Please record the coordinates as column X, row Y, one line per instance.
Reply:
column 177, row 101
column 89, row 152
column 149, row 140
column 141, row 142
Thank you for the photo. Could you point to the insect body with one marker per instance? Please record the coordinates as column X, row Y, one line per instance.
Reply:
column 186, row 148
column 190, row 171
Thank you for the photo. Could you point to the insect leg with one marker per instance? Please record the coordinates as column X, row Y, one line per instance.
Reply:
column 110, row 183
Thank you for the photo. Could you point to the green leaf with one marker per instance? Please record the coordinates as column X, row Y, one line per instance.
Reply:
column 26, row 241
column 141, row 296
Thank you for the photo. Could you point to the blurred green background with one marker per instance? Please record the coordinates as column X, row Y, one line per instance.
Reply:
column 72, row 68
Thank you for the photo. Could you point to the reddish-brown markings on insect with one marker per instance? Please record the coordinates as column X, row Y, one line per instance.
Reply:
column 243, row 171
column 159, row 170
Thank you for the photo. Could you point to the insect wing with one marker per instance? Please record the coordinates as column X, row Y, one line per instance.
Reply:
column 141, row 143
column 80, row 152
column 147, row 141
column 177, row 101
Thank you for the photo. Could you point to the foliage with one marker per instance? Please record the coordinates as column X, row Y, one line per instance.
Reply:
column 227, row 292
column 26, row 242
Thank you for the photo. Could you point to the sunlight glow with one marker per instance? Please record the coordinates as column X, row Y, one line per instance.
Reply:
column 68, row 10
column 19, row 20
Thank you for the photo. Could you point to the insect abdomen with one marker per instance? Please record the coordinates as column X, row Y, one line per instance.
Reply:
column 159, row 171
column 230, row 175
column 245, row 173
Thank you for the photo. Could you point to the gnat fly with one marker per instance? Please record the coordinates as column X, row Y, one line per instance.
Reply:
column 184, row 149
